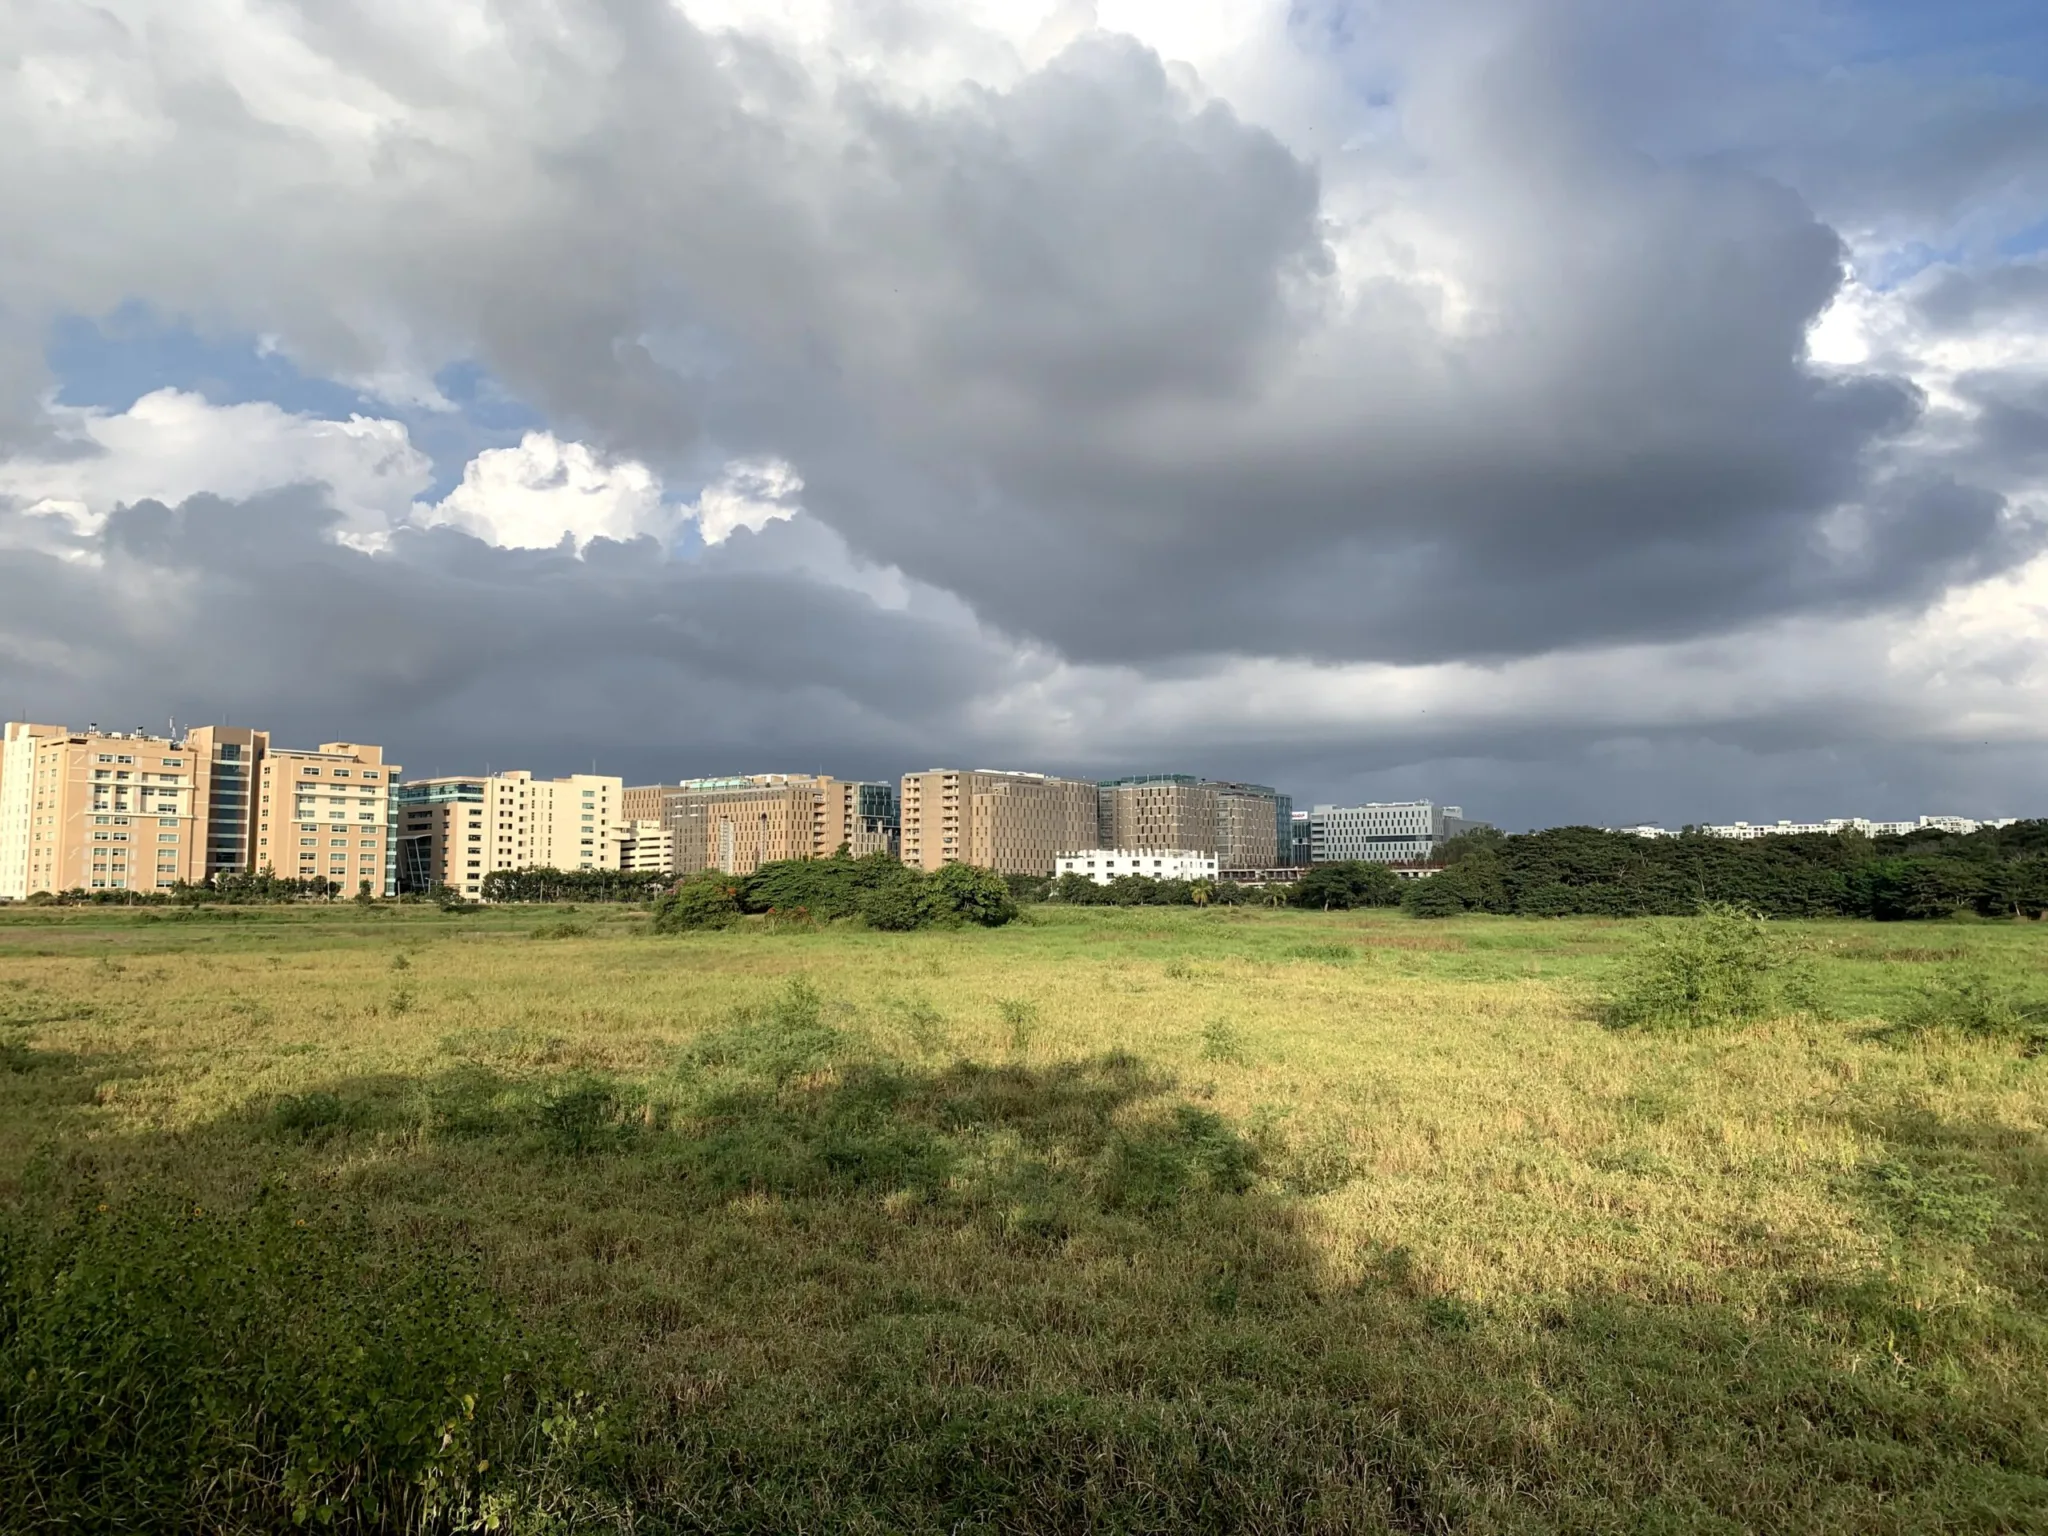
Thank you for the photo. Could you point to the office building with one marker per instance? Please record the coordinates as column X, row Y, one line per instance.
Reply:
column 1254, row 826
column 1383, row 832
column 113, row 810
column 1103, row 865
column 1168, row 810
column 1247, row 826
column 455, row 831
column 645, row 847
column 738, row 824
column 1299, row 839
column 1014, row 823
column 643, row 802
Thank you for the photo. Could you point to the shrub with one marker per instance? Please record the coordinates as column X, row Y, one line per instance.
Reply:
column 709, row 900
column 1725, row 966
column 1972, row 1004
column 897, row 906
column 164, row 1367
column 1344, row 885
column 963, row 893
column 1434, row 896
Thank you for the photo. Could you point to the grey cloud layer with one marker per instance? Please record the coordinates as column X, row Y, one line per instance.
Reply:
column 1083, row 338
column 1511, row 364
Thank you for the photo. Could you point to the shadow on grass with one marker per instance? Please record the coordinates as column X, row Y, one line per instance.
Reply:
column 826, row 1291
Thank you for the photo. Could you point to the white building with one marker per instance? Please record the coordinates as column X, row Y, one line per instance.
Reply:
column 1103, row 865
column 645, row 847
column 1957, row 825
column 1383, row 832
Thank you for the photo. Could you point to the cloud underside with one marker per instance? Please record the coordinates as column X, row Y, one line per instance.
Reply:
column 1250, row 385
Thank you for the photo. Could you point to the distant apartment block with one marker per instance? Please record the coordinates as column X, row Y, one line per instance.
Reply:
column 1103, row 865
column 738, row 824
column 455, row 831
column 1383, row 832
column 1015, row 823
column 1957, row 825
column 114, row 810
column 1254, row 825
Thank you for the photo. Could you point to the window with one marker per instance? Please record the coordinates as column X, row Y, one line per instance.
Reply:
column 309, row 842
column 167, row 821
column 167, row 837
column 370, row 774
column 174, row 762
column 341, row 773
column 337, row 842
column 309, row 773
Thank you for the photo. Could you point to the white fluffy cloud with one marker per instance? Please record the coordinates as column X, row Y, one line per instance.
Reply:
column 172, row 444
column 545, row 490
column 748, row 493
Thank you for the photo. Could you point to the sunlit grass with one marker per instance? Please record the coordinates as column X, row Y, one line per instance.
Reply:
column 1151, row 1218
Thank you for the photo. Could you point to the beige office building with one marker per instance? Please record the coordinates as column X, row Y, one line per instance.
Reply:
column 112, row 810
column 738, row 824
column 645, row 847
column 1247, row 826
column 455, row 831
column 643, row 802
column 1015, row 823
column 1157, row 813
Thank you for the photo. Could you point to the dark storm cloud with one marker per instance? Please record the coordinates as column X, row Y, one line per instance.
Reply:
column 1075, row 344
column 450, row 648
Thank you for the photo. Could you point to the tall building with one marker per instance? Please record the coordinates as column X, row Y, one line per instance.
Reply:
column 115, row 810
column 1167, row 810
column 455, row 831
column 645, row 847
column 1015, row 823
column 1254, row 826
column 738, row 824
column 1300, row 839
column 642, row 802
column 1246, row 826
column 1383, row 832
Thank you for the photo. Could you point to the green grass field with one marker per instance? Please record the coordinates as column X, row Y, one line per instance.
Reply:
column 1138, row 1220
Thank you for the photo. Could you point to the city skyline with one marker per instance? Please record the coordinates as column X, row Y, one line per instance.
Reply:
column 1590, row 413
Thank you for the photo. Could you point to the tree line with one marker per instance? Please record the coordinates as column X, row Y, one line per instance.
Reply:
column 1584, row 871
column 876, row 888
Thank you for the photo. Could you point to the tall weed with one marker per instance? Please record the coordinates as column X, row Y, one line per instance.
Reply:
column 1725, row 966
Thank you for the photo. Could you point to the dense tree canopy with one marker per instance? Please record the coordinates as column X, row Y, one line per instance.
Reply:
column 1583, row 870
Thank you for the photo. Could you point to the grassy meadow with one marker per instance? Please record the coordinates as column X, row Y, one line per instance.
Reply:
column 1114, row 1219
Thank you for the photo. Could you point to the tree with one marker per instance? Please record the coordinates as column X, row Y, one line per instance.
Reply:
column 1346, row 884
column 708, row 900
column 965, row 893
column 1434, row 896
column 899, row 905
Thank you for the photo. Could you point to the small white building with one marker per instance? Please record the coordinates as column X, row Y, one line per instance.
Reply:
column 1103, row 865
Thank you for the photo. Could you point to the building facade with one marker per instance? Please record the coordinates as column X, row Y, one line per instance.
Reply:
column 1103, row 865
column 112, row 810
column 645, row 847
column 1014, row 823
column 1383, row 832
column 1169, row 810
column 455, row 831
column 737, row 824
column 1254, row 826
column 643, row 802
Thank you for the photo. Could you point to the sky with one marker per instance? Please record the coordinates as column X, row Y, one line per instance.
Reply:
column 1575, row 410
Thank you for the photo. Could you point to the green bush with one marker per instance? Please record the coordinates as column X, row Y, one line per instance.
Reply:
column 708, row 900
column 1346, row 884
column 963, row 893
column 167, row 1367
column 1970, row 1003
column 897, row 906
column 1725, row 966
column 1435, row 896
